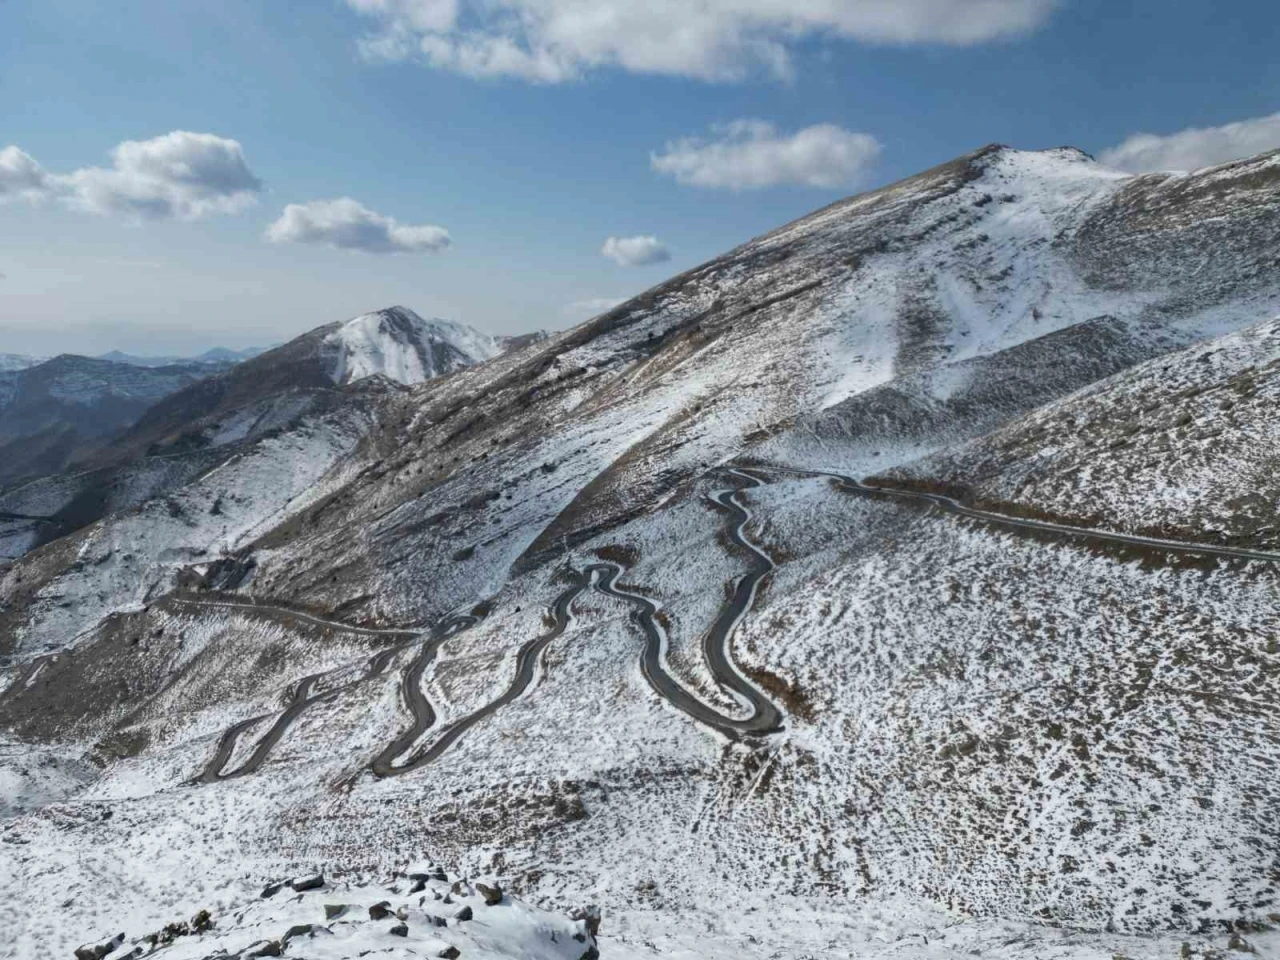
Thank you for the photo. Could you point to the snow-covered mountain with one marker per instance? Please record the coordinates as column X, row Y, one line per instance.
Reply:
column 758, row 610
column 57, row 410
column 398, row 344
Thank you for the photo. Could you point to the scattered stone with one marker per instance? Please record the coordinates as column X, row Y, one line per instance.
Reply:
column 272, row 948
column 492, row 893
column 271, row 889
column 449, row 953
column 419, row 883
column 95, row 951
column 201, row 922
column 463, row 914
column 400, row 930
column 332, row 911
column 448, row 898
column 380, row 910
column 436, row 921
column 300, row 884
column 298, row 930
column 1240, row 944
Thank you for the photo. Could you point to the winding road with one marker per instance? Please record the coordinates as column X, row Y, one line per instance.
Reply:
column 1087, row 534
column 764, row 717
column 302, row 698
column 526, row 669
column 424, row 715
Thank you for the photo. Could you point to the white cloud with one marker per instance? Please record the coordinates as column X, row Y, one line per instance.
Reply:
column 635, row 251
column 593, row 306
column 21, row 176
column 348, row 225
column 180, row 175
column 552, row 41
column 1194, row 148
column 749, row 154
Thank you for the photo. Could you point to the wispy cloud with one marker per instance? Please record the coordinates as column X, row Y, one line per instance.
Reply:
column 750, row 154
column 347, row 225
column 1195, row 147
column 635, row 251
column 593, row 306
column 553, row 41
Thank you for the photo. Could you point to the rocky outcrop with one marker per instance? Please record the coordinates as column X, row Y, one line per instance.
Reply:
column 354, row 915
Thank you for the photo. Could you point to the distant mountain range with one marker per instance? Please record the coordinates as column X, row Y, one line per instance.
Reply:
column 216, row 355
column 129, row 430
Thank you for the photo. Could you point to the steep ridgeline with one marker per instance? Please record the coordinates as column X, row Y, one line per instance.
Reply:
column 620, row 617
column 56, row 411
column 180, row 422
column 398, row 344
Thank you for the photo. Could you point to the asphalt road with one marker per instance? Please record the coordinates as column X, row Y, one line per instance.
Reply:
column 956, row 507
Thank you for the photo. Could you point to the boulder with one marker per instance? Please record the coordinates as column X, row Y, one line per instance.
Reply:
column 314, row 882
column 272, row 948
column 299, row 930
column 201, row 922
column 95, row 951
column 449, row 952
column 332, row 911
column 271, row 889
column 380, row 910
column 492, row 893
column 400, row 930
column 436, row 921
column 463, row 914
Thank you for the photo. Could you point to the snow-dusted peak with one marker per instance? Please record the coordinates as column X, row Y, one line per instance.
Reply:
column 400, row 345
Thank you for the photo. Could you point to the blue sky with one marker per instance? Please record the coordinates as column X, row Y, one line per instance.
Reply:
column 532, row 157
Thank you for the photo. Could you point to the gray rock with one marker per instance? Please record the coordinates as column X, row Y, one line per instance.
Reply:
column 271, row 889
column 492, row 893
column 449, row 953
column 400, row 930
column 437, row 921
column 332, row 911
column 272, row 948
column 380, row 910
column 463, row 914
column 307, row 883
column 299, row 930
column 95, row 951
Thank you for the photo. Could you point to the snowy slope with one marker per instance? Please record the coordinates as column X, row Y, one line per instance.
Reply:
column 983, row 730
column 1182, row 446
column 398, row 344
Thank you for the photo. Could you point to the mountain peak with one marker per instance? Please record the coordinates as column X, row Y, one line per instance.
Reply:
column 398, row 344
